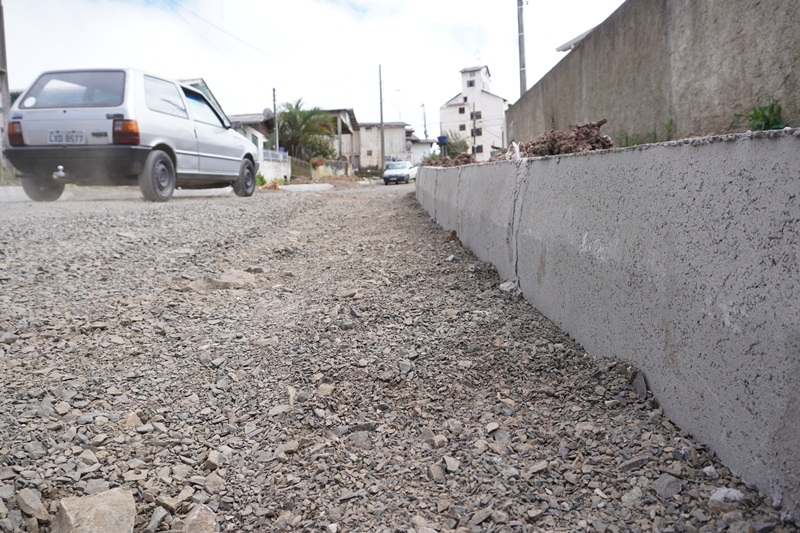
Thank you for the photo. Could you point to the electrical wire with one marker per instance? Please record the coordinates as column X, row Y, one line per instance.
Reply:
column 203, row 35
column 175, row 4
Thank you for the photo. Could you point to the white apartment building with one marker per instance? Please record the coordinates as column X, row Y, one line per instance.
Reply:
column 476, row 114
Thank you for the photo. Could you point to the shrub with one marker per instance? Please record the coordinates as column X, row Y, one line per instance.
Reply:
column 761, row 117
column 766, row 117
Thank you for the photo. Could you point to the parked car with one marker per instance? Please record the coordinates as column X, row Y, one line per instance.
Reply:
column 125, row 127
column 399, row 171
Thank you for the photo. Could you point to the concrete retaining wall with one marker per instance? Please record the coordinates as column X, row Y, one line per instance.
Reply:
column 683, row 258
column 659, row 69
column 275, row 170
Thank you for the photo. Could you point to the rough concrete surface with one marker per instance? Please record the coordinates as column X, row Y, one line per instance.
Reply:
column 683, row 258
column 671, row 67
column 316, row 361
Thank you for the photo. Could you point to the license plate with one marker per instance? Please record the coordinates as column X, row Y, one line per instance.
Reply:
column 66, row 137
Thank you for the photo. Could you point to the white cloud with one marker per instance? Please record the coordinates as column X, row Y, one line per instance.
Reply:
column 326, row 52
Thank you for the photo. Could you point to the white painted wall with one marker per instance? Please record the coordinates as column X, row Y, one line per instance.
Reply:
column 257, row 138
column 276, row 170
column 492, row 109
column 419, row 151
column 394, row 143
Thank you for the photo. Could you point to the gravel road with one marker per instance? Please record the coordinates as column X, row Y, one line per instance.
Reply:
column 321, row 361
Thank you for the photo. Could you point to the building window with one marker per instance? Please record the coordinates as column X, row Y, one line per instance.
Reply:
column 369, row 152
column 462, row 127
column 477, row 149
column 368, row 128
column 465, row 99
column 477, row 132
column 461, row 111
column 470, row 83
column 476, row 115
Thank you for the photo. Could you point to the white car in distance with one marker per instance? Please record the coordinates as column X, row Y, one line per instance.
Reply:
column 399, row 172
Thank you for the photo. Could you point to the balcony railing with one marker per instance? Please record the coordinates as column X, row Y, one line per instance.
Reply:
column 273, row 155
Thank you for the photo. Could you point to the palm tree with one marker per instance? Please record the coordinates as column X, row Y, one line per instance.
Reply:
column 300, row 129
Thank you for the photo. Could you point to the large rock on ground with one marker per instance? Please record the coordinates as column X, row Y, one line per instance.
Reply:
column 201, row 519
column 112, row 510
column 30, row 502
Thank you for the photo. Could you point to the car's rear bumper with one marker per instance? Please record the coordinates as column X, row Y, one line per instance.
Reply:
column 80, row 163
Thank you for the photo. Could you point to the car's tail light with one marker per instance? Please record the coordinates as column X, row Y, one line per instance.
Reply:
column 15, row 134
column 126, row 132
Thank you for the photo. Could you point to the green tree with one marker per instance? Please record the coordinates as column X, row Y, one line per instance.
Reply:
column 321, row 146
column 304, row 132
column 456, row 144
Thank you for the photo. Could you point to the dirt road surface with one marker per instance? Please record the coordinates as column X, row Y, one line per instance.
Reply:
column 318, row 361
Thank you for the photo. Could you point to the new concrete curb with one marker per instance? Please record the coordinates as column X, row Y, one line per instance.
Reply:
column 681, row 257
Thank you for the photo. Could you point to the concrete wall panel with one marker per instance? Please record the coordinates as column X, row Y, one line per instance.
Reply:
column 446, row 190
column 426, row 189
column 683, row 258
column 671, row 68
column 486, row 213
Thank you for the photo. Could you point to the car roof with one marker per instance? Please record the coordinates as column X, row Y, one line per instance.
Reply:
column 197, row 85
column 127, row 70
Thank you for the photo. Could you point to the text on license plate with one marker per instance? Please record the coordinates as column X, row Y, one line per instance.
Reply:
column 66, row 137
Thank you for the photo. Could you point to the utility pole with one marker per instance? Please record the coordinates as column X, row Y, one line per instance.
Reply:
column 424, row 122
column 5, row 99
column 523, row 84
column 383, row 146
column 277, row 128
column 474, row 131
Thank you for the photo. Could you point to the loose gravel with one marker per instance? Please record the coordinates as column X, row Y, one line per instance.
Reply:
column 318, row 362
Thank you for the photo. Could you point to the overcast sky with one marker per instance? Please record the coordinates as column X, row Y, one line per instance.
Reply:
column 326, row 52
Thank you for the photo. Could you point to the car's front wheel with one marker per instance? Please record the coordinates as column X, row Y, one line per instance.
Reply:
column 42, row 189
column 246, row 184
column 157, row 179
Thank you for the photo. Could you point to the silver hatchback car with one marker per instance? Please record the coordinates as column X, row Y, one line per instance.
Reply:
column 125, row 127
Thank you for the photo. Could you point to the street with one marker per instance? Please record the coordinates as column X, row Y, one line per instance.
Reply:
column 316, row 361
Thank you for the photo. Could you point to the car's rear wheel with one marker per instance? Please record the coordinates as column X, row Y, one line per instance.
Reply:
column 42, row 189
column 157, row 179
column 246, row 184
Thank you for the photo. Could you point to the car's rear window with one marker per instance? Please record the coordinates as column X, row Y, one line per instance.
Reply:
column 76, row 89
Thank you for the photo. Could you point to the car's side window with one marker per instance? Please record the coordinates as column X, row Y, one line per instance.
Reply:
column 163, row 96
column 202, row 110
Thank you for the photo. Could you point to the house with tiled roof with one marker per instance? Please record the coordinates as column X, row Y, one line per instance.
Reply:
column 273, row 165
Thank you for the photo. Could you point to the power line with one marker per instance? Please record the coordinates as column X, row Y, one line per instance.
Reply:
column 205, row 37
column 107, row 5
column 174, row 4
